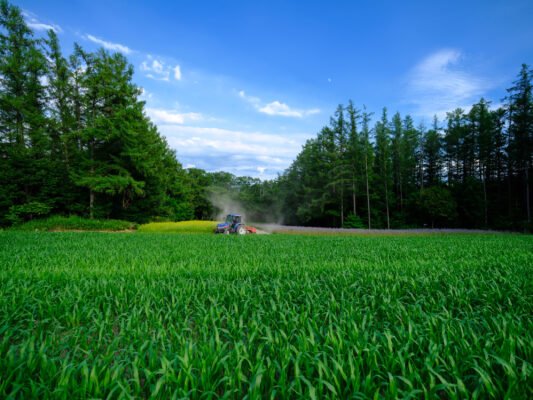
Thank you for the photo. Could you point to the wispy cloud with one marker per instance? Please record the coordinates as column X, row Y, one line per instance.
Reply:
column 171, row 117
column 33, row 22
column 276, row 107
column 159, row 70
column 240, row 152
column 145, row 95
column 250, row 99
column 177, row 72
column 110, row 46
column 441, row 83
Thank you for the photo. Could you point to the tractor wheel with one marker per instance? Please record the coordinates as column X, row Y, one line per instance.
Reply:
column 226, row 232
column 241, row 230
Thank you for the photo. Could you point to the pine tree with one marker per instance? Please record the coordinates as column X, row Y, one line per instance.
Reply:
column 369, row 158
column 409, row 144
column 521, row 128
column 23, row 138
column 383, row 158
column 396, row 154
column 355, row 150
column 339, row 127
column 432, row 154
column 113, row 120
column 484, row 132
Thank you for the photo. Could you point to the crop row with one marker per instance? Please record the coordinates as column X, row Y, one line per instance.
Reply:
column 172, row 316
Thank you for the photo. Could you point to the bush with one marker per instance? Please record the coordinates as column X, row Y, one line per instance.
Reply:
column 353, row 221
column 179, row 227
column 437, row 205
column 23, row 212
column 74, row 223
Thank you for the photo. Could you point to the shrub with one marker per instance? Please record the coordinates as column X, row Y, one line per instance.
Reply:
column 24, row 212
column 353, row 221
column 74, row 223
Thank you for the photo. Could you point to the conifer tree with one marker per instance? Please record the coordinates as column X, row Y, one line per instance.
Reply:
column 383, row 159
column 521, row 129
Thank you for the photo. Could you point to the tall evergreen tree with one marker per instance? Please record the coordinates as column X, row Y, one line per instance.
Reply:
column 23, row 140
column 408, row 157
column 355, row 150
column 432, row 154
column 396, row 156
column 521, row 129
column 369, row 160
column 383, row 159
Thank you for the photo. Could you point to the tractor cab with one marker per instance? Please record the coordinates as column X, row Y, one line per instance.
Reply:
column 233, row 219
column 234, row 224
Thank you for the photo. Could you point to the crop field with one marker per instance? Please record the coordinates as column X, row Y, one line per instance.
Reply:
column 274, row 316
column 179, row 227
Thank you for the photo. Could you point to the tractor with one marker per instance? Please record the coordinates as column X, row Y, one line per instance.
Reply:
column 234, row 224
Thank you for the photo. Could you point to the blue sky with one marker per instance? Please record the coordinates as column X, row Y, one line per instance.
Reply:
column 240, row 86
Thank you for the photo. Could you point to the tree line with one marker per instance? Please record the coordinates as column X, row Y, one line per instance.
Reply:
column 75, row 140
column 472, row 170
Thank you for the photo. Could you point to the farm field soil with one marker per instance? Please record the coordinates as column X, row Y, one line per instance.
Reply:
column 274, row 316
column 310, row 230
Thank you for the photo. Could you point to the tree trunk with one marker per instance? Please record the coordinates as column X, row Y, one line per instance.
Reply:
column 387, row 203
column 485, row 195
column 65, row 145
column 342, row 205
column 354, row 195
column 20, row 129
column 422, row 163
column 91, row 190
column 91, row 203
column 528, row 210
column 367, row 191
column 401, row 194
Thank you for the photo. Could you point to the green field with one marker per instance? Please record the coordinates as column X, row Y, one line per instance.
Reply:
column 272, row 316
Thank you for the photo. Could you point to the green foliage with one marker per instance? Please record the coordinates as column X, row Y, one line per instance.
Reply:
column 58, row 223
column 353, row 221
column 158, row 316
column 23, row 212
column 437, row 204
column 74, row 133
column 75, row 136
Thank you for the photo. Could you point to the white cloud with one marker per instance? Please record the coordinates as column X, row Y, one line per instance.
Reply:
column 145, row 94
column 276, row 108
column 34, row 23
column 189, row 166
column 156, row 70
column 177, row 72
column 440, row 83
column 312, row 111
column 171, row 117
column 110, row 46
column 250, row 99
column 261, row 170
column 238, row 152
column 159, row 70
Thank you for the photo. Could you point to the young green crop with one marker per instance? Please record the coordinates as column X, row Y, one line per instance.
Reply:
column 214, row 316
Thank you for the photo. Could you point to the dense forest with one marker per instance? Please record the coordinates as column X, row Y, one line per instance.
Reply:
column 75, row 140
